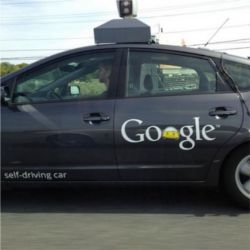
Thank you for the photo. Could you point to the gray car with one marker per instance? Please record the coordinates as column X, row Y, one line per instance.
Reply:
column 130, row 113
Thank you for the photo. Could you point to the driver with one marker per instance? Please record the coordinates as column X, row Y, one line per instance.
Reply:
column 104, row 73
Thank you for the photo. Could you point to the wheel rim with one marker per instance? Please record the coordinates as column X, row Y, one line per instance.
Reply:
column 242, row 176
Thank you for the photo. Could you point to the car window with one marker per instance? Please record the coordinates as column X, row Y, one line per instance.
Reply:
column 150, row 73
column 81, row 77
column 240, row 73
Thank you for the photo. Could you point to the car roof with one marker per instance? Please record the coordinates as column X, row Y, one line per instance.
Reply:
column 194, row 51
column 168, row 48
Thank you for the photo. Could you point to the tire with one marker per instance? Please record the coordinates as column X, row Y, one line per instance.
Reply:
column 236, row 176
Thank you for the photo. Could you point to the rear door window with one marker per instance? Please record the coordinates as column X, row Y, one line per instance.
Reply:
column 153, row 73
column 240, row 73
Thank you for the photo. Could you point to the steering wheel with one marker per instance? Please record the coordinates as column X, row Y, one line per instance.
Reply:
column 53, row 95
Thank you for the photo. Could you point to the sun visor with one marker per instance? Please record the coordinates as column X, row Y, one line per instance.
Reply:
column 127, row 30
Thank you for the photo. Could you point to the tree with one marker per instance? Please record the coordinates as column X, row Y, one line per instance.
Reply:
column 6, row 68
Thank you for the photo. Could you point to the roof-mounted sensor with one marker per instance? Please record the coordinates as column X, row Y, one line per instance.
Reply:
column 127, row 8
column 128, row 30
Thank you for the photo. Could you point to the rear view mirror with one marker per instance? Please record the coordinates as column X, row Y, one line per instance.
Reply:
column 70, row 67
column 74, row 90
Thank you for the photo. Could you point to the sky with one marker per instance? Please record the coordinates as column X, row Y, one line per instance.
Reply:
column 33, row 29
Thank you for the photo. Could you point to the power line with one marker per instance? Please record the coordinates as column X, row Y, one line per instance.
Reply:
column 73, row 15
column 226, row 41
column 189, row 5
column 242, row 40
column 46, row 39
column 34, row 2
column 238, row 48
column 91, row 37
column 201, row 29
column 143, row 17
column 22, row 58
column 111, row 12
column 199, row 12
column 23, row 50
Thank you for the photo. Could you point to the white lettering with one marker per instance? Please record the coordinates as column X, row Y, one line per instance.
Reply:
column 59, row 175
column 124, row 134
column 158, row 130
column 154, row 133
column 197, row 128
column 207, row 129
column 188, row 140
column 6, row 175
column 35, row 175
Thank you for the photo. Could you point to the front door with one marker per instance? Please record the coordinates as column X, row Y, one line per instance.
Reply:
column 60, row 126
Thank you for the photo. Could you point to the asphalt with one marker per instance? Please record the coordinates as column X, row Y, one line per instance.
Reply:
column 122, row 217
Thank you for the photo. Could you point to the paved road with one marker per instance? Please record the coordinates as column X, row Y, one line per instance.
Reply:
column 122, row 218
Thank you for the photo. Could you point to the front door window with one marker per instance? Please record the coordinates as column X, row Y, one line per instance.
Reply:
column 82, row 77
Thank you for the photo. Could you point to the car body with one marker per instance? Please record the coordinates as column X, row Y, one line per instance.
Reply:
column 168, row 114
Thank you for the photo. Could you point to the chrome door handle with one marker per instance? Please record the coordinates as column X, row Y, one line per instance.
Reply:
column 222, row 112
column 96, row 118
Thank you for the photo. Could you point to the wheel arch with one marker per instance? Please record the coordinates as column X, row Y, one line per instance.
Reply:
column 217, row 167
column 229, row 154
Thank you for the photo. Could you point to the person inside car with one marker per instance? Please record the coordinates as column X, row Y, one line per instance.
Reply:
column 104, row 73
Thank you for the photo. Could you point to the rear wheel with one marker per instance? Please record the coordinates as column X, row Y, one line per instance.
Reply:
column 236, row 176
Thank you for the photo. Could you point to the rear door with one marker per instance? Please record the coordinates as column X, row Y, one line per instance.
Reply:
column 60, row 125
column 175, row 114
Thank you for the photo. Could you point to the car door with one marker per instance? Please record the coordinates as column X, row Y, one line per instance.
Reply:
column 61, row 120
column 174, row 114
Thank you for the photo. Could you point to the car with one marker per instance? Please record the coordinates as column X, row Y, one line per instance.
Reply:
column 130, row 112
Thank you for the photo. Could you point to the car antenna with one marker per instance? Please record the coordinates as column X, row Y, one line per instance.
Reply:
column 216, row 32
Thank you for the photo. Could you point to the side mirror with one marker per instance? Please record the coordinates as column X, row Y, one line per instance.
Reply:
column 74, row 90
column 5, row 95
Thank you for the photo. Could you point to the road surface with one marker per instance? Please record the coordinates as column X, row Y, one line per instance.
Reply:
column 122, row 217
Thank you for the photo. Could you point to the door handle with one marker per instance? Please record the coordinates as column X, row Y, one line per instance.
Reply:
column 222, row 112
column 96, row 118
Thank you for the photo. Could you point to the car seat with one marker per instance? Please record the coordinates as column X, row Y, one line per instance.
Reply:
column 148, row 84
